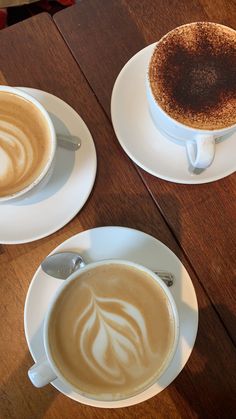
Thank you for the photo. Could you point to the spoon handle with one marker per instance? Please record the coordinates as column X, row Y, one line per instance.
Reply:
column 167, row 277
column 70, row 142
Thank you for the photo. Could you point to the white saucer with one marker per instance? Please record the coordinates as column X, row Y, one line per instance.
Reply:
column 143, row 142
column 68, row 189
column 121, row 243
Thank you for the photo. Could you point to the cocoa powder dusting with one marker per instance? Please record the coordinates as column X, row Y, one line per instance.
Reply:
column 193, row 75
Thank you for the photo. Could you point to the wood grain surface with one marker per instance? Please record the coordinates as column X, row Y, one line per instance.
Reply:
column 207, row 384
column 103, row 36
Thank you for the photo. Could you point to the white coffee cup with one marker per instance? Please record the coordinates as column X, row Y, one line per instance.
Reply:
column 47, row 170
column 200, row 144
column 46, row 370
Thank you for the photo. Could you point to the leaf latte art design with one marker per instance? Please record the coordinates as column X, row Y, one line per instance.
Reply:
column 112, row 337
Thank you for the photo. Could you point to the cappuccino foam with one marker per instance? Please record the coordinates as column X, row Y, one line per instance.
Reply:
column 111, row 331
column 192, row 75
column 24, row 143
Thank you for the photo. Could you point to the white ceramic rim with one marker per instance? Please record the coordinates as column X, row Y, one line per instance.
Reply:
column 72, row 277
column 221, row 131
column 48, row 165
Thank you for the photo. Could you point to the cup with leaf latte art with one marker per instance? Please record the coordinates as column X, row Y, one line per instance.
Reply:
column 27, row 144
column 110, row 332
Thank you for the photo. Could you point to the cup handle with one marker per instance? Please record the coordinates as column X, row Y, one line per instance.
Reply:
column 201, row 151
column 41, row 373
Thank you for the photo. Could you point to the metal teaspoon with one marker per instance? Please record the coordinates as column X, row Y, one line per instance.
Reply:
column 61, row 265
column 70, row 142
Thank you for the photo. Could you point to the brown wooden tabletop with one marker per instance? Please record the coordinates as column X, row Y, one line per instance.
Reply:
column 206, row 386
column 103, row 36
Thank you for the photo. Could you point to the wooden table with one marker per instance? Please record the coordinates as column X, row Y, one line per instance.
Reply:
column 207, row 385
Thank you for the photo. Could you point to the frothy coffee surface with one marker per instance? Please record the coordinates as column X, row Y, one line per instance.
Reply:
column 193, row 75
column 24, row 143
column 111, row 331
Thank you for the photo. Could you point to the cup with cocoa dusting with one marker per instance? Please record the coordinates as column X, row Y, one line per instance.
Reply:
column 191, row 88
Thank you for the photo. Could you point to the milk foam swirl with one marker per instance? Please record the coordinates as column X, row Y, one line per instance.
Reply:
column 113, row 343
column 17, row 154
column 25, row 143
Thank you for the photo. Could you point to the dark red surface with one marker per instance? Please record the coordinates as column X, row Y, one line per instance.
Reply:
column 12, row 15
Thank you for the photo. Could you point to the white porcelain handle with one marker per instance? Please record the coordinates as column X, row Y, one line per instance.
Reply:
column 201, row 151
column 41, row 374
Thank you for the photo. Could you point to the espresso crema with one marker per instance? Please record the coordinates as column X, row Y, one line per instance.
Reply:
column 24, row 143
column 111, row 331
column 192, row 75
